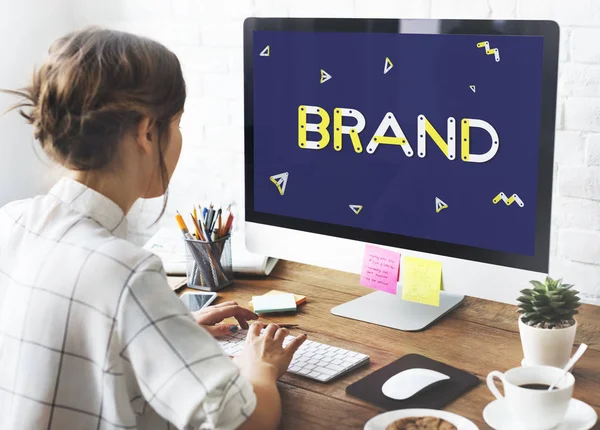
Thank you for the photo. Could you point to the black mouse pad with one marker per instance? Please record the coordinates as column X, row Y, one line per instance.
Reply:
column 435, row 396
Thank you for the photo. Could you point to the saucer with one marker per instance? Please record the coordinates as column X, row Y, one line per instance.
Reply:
column 580, row 416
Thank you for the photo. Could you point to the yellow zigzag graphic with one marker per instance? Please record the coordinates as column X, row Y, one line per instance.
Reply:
column 495, row 52
column 509, row 201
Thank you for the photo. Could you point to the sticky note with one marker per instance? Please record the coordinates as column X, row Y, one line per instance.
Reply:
column 274, row 303
column 299, row 298
column 422, row 281
column 380, row 269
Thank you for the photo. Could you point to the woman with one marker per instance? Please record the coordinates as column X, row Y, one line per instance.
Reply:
column 91, row 336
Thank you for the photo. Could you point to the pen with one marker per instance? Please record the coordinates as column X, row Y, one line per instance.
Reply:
column 202, row 222
column 281, row 325
column 287, row 325
column 209, row 218
column 214, row 219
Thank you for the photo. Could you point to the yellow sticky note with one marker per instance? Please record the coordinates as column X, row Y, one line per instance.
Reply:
column 422, row 281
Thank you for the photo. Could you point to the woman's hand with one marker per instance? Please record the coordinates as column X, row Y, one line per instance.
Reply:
column 210, row 318
column 264, row 358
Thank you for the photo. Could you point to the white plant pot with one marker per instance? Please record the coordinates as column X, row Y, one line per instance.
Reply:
column 547, row 347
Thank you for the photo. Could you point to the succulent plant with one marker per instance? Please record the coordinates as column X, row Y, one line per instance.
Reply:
column 551, row 304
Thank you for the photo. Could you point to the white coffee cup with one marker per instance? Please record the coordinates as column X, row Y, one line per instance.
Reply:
column 533, row 409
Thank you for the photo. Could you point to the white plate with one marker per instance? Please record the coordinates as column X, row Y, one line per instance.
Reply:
column 381, row 421
column 580, row 416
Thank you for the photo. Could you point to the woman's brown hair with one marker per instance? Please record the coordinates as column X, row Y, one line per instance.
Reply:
column 95, row 86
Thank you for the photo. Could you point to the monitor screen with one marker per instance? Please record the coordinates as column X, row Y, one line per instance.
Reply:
column 430, row 136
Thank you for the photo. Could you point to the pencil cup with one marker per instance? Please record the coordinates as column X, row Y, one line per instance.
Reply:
column 208, row 264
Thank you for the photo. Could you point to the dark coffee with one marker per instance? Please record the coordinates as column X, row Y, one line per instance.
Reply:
column 542, row 387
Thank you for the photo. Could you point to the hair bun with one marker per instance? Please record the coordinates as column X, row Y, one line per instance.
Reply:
column 95, row 86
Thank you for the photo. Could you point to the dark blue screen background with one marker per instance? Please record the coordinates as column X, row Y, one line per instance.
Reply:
column 431, row 76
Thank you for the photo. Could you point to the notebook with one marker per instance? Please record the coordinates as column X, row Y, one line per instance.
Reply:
column 169, row 246
column 435, row 397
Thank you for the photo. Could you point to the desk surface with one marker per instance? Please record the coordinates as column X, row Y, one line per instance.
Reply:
column 479, row 337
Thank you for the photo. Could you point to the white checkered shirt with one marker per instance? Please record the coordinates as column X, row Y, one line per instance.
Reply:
column 91, row 336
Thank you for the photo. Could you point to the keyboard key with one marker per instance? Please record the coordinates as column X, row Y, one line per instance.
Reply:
column 334, row 367
column 325, row 371
column 314, row 374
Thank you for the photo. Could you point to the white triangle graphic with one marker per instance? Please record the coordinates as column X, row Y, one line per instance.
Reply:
column 439, row 205
column 388, row 65
column 356, row 208
column 280, row 181
column 266, row 52
column 325, row 76
column 472, row 87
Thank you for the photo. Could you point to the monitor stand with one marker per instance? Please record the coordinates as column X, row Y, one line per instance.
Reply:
column 391, row 311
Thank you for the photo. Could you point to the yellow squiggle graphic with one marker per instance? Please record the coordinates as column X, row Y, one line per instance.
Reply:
column 489, row 51
column 508, row 200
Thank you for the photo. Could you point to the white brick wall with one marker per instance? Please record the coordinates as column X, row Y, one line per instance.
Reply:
column 580, row 246
column 207, row 36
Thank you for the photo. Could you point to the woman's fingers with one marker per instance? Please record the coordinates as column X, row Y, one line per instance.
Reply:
column 294, row 344
column 281, row 334
column 220, row 305
column 254, row 331
column 242, row 321
column 220, row 330
column 271, row 330
column 219, row 314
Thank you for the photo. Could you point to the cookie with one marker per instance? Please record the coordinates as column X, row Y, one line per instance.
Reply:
column 420, row 423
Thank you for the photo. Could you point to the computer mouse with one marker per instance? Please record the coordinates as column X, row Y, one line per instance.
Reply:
column 409, row 382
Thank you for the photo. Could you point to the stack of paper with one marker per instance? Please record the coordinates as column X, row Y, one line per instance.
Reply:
column 274, row 303
column 298, row 298
column 169, row 246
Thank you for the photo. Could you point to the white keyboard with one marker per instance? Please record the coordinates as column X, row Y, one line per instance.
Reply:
column 313, row 359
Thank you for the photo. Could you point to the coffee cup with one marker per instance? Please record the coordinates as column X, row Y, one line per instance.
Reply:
column 527, row 400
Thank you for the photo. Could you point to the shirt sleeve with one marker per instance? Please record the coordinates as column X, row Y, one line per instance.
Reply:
column 180, row 368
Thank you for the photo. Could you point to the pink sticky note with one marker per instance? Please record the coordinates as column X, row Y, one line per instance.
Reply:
column 380, row 269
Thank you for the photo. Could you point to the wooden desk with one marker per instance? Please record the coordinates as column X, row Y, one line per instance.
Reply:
column 479, row 337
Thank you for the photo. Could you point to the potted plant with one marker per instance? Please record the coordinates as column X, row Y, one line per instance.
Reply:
column 547, row 324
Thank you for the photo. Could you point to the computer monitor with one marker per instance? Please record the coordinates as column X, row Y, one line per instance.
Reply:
column 434, row 138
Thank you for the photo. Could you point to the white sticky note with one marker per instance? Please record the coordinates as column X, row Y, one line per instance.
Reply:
column 274, row 303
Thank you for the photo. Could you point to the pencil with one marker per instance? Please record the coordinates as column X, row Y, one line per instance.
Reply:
column 225, row 225
column 197, row 227
column 229, row 225
column 181, row 224
column 219, row 224
column 203, row 228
